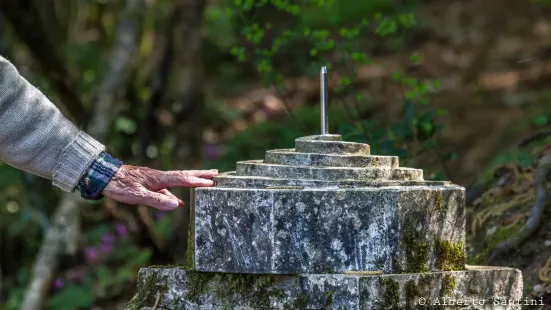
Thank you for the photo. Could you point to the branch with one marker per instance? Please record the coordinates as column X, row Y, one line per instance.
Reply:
column 533, row 222
column 537, row 136
column 68, row 211
column 26, row 21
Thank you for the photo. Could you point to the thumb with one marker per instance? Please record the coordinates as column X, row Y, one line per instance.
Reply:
column 160, row 201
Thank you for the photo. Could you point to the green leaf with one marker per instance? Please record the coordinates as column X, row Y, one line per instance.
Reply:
column 436, row 84
column 8, row 176
column 397, row 76
column 541, row 120
column 125, row 125
column 71, row 297
column 346, row 81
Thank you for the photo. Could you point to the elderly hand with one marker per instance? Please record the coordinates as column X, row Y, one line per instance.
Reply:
column 142, row 185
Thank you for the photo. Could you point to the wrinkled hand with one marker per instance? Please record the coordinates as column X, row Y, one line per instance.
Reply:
column 142, row 185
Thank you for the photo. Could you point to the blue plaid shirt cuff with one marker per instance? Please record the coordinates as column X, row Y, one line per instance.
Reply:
column 94, row 181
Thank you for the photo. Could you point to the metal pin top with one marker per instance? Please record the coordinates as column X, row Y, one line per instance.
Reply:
column 324, row 95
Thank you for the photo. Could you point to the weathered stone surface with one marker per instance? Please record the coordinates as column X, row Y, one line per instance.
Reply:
column 291, row 158
column 231, row 180
column 331, row 147
column 259, row 168
column 176, row 288
column 326, row 137
column 283, row 231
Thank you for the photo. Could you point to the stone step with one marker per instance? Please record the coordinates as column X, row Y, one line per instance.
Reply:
column 327, row 137
column 331, row 147
column 280, row 231
column 178, row 288
column 292, row 158
column 230, row 180
column 259, row 168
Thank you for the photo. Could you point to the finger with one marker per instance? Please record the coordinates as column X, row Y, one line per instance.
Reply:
column 199, row 182
column 159, row 201
column 203, row 173
column 165, row 179
column 168, row 193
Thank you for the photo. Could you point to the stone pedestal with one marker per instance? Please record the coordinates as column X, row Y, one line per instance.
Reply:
column 327, row 226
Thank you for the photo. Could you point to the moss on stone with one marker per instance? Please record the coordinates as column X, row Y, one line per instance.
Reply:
column 197, row 284
column 164, row 266
column 396, row 266
column 417, row 250
column 147, row 290
column 300, row 302
column 391, row 295
column 448, row 284
column 258, row 290
column 412, row 291
column 439, row 201
column 190, row 251
column 449, row 255
column 473, row 291
column 328, row 300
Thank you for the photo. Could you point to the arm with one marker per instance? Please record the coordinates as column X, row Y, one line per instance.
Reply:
column 36, row 137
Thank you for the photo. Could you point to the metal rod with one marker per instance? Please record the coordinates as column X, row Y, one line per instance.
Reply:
column 324, row 94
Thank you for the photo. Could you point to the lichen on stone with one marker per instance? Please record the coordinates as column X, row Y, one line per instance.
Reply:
column 449, row 255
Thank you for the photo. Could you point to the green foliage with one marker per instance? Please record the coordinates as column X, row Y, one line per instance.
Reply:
column 8, row 176
column 417, row 131
column 541, row 120
column 71, row 297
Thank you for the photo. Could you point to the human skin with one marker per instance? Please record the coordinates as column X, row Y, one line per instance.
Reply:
column 142, row 185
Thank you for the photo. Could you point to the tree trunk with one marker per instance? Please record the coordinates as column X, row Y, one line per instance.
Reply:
column 188, row 104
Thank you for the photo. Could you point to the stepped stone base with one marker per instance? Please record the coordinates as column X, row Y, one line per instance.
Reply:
column 474, row 288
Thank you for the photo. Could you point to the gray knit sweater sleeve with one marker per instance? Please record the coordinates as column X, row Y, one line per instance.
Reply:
column 36, row 137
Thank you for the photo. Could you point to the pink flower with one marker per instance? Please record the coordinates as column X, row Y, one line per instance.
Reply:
column 121, row 229
column 58, row 284
column 107, row 238
column 91, row 254
column 106, row 248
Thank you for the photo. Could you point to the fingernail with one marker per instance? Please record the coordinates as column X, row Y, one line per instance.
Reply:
column 181, row 203
column 214, row 170
column 173, row 204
